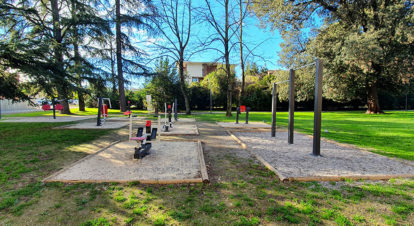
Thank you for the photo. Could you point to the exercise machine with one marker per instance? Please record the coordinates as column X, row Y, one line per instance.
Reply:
column 240, row 110
column 128, row 112
column 317, row 120
column 102, row 110
column 144, row 140
column 56, row 106
column 168, row 122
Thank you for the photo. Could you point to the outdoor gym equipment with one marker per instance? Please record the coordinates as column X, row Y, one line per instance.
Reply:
column 58, row 106
column 317, row 106
column 102, row 110
column 167, row 123
column 240, row 110
column 128, row 112
column 144, row 140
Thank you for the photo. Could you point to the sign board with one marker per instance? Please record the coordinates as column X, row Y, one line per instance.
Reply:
column 149, row 104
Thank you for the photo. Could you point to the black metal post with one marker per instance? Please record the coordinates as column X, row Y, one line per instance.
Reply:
column 291, row 106
column 99, row 123
column 175, row 109
column 247, row 115
column 54, row 109
column 318, row 109
column 211, row 102
column 274, row 96
column 0, row 108
column 237, row 115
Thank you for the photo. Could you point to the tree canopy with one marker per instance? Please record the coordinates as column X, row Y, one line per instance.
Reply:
column 366, row 45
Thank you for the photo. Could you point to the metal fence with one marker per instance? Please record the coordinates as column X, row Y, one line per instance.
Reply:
column 7, row 106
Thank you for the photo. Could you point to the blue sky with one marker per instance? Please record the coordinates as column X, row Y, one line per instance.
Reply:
column 266, row 43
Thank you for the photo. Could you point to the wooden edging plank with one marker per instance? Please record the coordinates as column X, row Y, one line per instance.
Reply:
column 177, row 181
column 341, row 178
column 204, row 174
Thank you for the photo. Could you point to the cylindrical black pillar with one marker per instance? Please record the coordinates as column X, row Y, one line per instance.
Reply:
column 291, row 105
column 274, row 99
column 317, row 122
column 237, row 115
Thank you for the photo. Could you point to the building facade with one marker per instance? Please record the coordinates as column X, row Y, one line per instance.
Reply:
column 196, row 71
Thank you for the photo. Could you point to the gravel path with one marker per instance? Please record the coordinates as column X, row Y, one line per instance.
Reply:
column 296, row 161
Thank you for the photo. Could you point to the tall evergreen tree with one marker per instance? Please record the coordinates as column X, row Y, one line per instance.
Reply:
column 135, row 15
column 36, row 40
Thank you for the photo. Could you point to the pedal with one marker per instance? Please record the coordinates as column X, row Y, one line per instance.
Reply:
column 137, row 154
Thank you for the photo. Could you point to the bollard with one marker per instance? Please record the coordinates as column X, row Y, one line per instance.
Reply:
column 237, row 115
column 247, row 115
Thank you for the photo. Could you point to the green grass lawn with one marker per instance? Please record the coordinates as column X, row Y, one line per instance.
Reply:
column 241, row 191
column 390, row 134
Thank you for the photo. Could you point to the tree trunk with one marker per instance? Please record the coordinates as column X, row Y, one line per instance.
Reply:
column 57, row 35
column 182, row 86
column 156, row 110
column 227, row 59
column 241, row 53
column 113, row 75
column 122, row 101
column 81, row 100
column 76, row 54
column 372, row 100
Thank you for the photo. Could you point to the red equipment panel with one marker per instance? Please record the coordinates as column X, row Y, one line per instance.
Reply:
column 242, row 108
column 169, row 106
column 59, row 107
column 148, row 124
column 104, row 110
column 46, row 107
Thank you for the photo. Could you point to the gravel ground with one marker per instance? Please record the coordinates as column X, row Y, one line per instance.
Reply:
column 251, row 125
column 47, row 119
column 186, row 120
column 296, row 161
column 180, row 129
column 166, row 161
